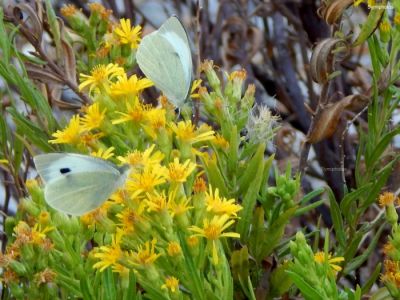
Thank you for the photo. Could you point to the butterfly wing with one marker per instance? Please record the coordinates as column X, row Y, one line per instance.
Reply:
column 75, row 183
column 55, row 165
column 164, row 57
column 79, row 193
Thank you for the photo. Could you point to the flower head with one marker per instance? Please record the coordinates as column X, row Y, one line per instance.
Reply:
column 386, row 199
column 212, row 230
column 93, row 117
column 220, row 205
column 321, row 257
column 100, row 77
column 186, row 132
column 177, row 172
column 127, row 34
column 171, row 283
column 109, row 255
column 146, row 254
column 130, row 87
column 70, row 134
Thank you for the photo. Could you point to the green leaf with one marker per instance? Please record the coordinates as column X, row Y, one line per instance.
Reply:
column 337, row 219
column 246, row 180
column 109, row 288
column 350, row 198
column 374, row 157
column 250, row 198
column 31, row 131
column 197, row 287
column 306, row 290
column 5, row 44
column 370, row 25
column 359, row 260
column 311, row 195
column 302, row 210
column 383, row 176
column 86, row 288
column 233, row 152
column 371, row 280
column 274, row 233
column 215, row 177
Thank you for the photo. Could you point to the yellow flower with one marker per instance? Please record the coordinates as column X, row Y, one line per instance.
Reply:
column 220, row 205
column 321, row 258
column 156, row 202
column 177, row 172
column 129, row 87
column 135, row 113
column 68, row 10
column 146, row 181
column 195, row 86
column 100, row 77
column 199, row 185
column 171, row 283
column 221, row 142
column 386, row 199
column 93, row 118
column 109, row 255
column 174, row 249
column 186, row 132
column 70, row 134
column 139, row 159
column 179, row 207
column 104, row 154
column 89, row 139
column 129, row 218
column 38, row 233
column 156, row 118
column 213, row 230
column 146, row 254
column 127, row 34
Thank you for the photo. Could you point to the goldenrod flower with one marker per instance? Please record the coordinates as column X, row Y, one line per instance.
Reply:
column 171, row 283
column 156, row 201
column 104, row 154
column 130, row 87
column 89, row 139
column 38, row 233
column 186, row 132
column 156, row 118
column 46, row 276
column 220, row 205
column 139, row 159
column 177, row 172
column 70, row 134
column 199, row 185
column 127, row 34
column 134, row 113
column 146, row 181
column 146, row 254
column 386, row 199
column 129, row 218
column 174, row 249
column 68, row 10
column 221, row 142
column 109, row 255
column 100, row 77
column 93, row 117
column 195, row 85
column 179, row 207
column 320, row 257
column 213, row 230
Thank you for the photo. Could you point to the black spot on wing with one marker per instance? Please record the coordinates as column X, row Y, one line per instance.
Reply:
column 65, row 170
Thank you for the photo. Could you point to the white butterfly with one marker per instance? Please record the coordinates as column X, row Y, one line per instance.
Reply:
column 164, row 57
column 77, row 184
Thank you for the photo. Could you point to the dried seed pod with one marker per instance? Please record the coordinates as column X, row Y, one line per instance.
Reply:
column 324, row 56
column 331, row 11
column 327, row 119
